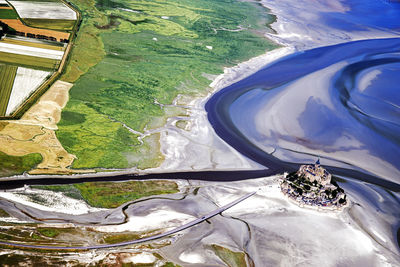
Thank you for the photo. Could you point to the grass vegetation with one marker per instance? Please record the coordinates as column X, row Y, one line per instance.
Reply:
column 170, row 264
column 4, row 213
column 113, row 194
column 51, row 24
column 10, row 165
column 118, row 238
column 48, row 232
column 231, row 258
column 8, row 14
column 29, row 61
column 7, row 76
column 129, row 53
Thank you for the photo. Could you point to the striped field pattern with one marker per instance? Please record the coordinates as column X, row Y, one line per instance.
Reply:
column 7, row 76
column 29, row 61
column 31, row 43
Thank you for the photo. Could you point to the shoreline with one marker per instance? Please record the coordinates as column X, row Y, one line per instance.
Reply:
column 200, row 130
column 211, row 150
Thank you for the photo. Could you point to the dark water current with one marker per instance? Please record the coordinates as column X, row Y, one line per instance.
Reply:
column 339, row 102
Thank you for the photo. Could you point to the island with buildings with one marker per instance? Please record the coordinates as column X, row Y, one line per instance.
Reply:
column 311, row 186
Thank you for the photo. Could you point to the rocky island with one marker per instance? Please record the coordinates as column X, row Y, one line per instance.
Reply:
column 312, row 186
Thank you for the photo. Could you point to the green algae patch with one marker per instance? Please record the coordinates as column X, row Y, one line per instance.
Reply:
column 4, row 213
column 231, row 258
column 12, row 165
column 131, row 55
column 113, row 194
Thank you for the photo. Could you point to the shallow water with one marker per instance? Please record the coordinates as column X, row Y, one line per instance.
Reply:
column 331, row 108
column 339, row 102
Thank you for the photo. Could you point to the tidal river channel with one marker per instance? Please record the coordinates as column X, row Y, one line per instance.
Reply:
column 337, row 98
column 339, row 102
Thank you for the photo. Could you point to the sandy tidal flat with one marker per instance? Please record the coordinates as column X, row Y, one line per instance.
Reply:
column 197, row 146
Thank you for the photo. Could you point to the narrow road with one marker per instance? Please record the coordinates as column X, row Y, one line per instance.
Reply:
column 150, row 238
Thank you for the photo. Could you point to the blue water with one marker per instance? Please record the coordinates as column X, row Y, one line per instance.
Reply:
column 340, row 102
column 376, row 13
column 357, row 114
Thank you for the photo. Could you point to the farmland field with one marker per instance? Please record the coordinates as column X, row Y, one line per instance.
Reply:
column 7, row 75
column 43, row 10
column 29, row 61
column 52, row 24
column 127, row 59
column 3, row 4
column 25, row 83
column 30, row 51
column 19, row 26
column 8, row 14
column 33, row 43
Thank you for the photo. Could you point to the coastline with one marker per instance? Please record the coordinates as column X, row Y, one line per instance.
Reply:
column 177, row 144
column 198, row 146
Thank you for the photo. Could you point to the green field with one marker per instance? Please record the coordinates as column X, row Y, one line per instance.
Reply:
column 8, row 14
column 10, row 165
column 7, row 76
column 29, row 61
column 124, row 60
column 112, row 195
column 51, row 24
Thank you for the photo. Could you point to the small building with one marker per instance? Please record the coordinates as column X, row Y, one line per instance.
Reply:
column 311, row 186
column 315, row 173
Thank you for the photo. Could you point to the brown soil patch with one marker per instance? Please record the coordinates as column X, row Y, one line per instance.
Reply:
column 19, row 26
column 34, row 132
column 47, row 111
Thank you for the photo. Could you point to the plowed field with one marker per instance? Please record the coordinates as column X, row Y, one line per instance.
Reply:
column 19, row 26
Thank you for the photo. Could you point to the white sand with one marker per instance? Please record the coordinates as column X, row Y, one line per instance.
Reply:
column 25, row 83
column 31, row 51
column 163, row 218
column 280, row 228
column 53, row 201
column 141, row 258
column 305, row 24
column 43, row 10
column 192, row 257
